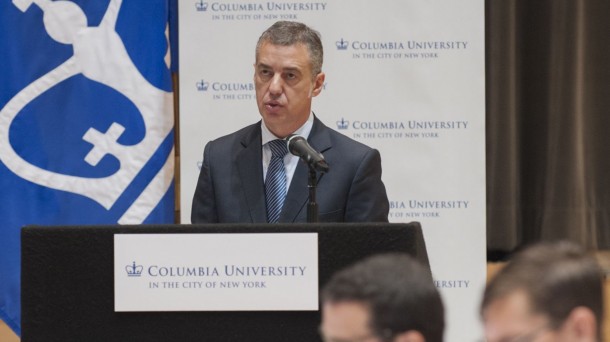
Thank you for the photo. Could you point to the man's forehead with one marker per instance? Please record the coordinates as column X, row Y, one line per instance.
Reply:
column 513, row 304
column 510, row 314
column 346, row 318
column 355, row 310
column 269, row 50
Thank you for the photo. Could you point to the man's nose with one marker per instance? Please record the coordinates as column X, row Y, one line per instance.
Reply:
column 276, row 85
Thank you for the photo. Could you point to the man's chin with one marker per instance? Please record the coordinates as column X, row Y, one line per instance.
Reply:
column 277, row 125
column 273, row 116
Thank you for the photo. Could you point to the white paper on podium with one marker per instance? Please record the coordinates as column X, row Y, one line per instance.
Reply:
column 216, row 272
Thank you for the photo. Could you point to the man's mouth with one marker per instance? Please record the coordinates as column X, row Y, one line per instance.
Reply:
column 272, row 104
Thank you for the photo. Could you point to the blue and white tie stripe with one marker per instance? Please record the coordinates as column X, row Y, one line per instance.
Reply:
column 275, row 183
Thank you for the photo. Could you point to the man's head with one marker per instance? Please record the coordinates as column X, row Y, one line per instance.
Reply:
column 548, row 292
column 287, row 75
column 388, row 297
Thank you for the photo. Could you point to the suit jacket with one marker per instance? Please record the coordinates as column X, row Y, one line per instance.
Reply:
column 230, row 188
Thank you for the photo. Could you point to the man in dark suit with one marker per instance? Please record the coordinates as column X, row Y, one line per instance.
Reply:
column 248, row 177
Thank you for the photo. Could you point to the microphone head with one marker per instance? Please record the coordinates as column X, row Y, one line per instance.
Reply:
column 291, row 142
column 298, row 146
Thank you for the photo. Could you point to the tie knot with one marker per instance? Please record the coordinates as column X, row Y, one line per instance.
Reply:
column 278, row 148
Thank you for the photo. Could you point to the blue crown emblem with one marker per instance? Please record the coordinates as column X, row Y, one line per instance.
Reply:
column 202, row 85
column 343, row 124
column 342, row 44
column 201, row 6
column 133, row 270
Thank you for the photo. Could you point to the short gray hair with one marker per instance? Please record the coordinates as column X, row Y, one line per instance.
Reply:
column 287, row 33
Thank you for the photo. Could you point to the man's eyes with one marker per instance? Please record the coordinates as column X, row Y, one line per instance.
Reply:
column 266, row 74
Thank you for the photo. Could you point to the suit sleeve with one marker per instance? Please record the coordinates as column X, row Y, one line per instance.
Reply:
column 204, row 200
column 367, row 200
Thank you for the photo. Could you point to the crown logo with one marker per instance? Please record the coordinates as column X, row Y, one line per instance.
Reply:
column 343, row 124
column 342, row 44
column 201, row 6
column 133, row 270
column 203, row 85
column 199, row 165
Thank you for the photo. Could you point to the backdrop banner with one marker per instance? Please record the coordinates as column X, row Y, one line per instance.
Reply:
column 404, row 77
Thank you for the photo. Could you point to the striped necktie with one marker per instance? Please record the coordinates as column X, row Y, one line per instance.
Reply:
column 275, row 183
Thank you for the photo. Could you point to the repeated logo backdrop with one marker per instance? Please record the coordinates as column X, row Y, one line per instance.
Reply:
column 404, row 77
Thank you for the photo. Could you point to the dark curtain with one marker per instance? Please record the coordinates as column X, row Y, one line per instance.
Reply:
column 548, row 122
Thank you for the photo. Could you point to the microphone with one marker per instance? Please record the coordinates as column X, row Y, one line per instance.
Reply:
column 298, row 146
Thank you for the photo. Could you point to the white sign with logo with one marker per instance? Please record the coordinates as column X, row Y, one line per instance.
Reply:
column 216, row 272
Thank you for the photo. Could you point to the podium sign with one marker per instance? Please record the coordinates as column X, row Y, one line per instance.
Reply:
column 216, row 272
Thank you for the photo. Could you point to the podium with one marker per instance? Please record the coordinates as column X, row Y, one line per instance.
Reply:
column 67, row 283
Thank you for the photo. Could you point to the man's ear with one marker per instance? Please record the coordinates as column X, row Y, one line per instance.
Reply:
column 318, row 84
column 410, row 336
column 581, row 325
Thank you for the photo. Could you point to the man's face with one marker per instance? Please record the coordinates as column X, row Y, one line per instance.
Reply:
column 346, row 322
column 509, row 319
column 285, row 87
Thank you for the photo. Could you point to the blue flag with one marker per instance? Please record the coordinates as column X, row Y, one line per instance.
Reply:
column 86, row 120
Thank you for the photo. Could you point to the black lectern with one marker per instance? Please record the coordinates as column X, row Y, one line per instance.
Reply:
column 68, row 284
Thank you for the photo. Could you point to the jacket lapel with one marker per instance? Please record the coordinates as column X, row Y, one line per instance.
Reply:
column 298, row 193
column 250, row 169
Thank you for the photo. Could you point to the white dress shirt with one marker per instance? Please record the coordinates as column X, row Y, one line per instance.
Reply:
column 290, row 160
